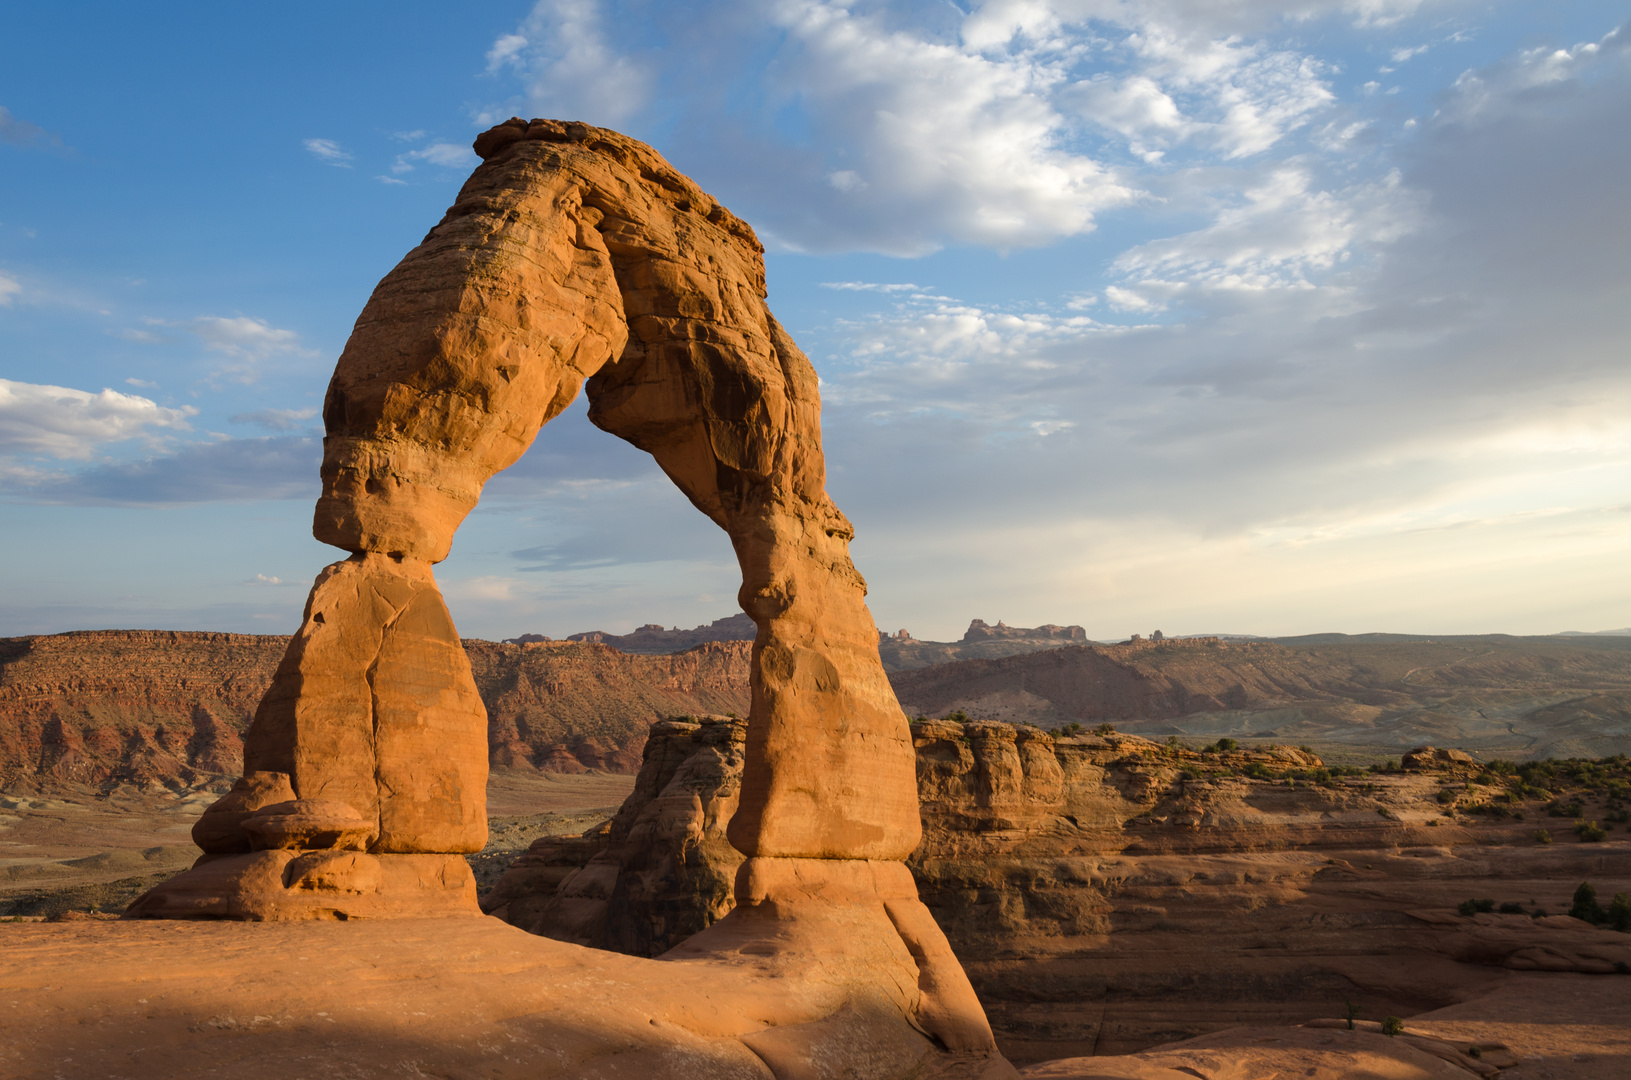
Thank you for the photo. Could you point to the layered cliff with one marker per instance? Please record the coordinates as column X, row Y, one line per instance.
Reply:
column 169, row 707
column 1505, row 696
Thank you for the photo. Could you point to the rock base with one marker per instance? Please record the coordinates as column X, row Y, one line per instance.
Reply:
column 292, row 885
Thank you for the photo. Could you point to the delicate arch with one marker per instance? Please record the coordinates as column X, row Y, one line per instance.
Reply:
column 574, row 254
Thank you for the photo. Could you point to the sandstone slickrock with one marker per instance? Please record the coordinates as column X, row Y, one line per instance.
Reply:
column 660, row 871
column 1109, row 893
column 572, row 254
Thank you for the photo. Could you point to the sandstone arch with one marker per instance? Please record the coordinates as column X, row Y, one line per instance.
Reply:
column 574, row 254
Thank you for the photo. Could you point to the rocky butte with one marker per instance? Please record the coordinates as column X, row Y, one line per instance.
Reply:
column 331, row 924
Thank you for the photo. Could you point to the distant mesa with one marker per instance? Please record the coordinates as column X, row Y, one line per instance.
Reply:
column 980, row 630
column 651, row 639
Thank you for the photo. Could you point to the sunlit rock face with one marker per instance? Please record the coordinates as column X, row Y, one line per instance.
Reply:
column 575, row 255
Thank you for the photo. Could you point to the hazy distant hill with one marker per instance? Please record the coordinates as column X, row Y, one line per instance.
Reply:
column 1498, row 695
column 899, row 651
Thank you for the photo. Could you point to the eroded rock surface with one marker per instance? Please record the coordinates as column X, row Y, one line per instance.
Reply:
column 575, row 254
column 1108, row 893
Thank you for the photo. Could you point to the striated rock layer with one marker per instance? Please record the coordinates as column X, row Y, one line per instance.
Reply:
column 160, row 708
column 576, row 254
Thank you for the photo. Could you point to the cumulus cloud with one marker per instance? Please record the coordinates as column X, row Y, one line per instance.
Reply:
column 75, row 424
column 1365, row 378
column 568, row 66
column 1281, row 234
column 328, row 152
column 901, row 129
column 10, row 289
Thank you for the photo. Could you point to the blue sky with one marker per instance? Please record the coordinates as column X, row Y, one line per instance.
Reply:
column 1244, row 317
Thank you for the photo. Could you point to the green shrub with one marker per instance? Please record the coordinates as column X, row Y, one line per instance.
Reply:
column 1470, row 908
column 1105, row 729
column 1510, row 908
column 1586, row 906
column 1619, row 913
column 1391, row 1026
column 1590, row 832
column 1542, row 836
column 1223, row 746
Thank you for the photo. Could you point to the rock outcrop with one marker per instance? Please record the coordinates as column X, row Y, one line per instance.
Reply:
column 576, row 254
column 658, row 872
column 1109, row 893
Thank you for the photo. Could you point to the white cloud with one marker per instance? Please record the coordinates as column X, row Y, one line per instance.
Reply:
column 1283, row 234
column 10, row 289
column 143, row 383
column 447, row 155
column 569, row 69
column 869, row 286
column 1482, row 94
column 328, row 152
column 75, row 424
column 506, row 50
column 391, row 180
column 248, row 342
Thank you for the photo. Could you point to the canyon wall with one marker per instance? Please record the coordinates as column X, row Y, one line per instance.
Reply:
column 150, row 707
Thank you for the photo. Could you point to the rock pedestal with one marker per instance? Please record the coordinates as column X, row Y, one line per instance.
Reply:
column 574, row 253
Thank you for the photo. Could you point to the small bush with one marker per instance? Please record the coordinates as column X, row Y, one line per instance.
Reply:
column 1510, row 908
column 1223, row 746
column 1105, row 729
column 1391, row 1026
column 1558, row 808
column 1470, row 908
column 1586, row 906
column 1590, row 832
column 1619, row 913
column 1621, row 816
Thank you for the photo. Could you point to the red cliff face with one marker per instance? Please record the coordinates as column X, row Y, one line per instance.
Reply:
column 170, row 707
